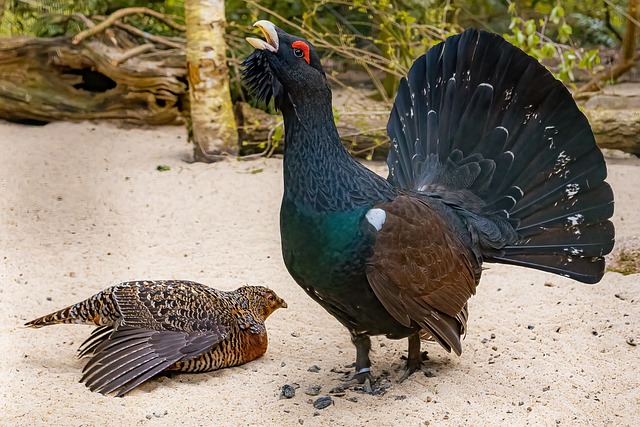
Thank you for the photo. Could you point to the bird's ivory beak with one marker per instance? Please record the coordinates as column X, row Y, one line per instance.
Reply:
column 269, row 31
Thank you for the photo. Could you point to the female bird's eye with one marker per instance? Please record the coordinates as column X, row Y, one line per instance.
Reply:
column 298, row 52
column 270, row 297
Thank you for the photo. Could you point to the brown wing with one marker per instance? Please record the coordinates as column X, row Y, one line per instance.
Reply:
column 421, row 271
column 129, row 356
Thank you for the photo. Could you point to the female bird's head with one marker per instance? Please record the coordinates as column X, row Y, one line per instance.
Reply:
column 263, row 299
column 283, row 67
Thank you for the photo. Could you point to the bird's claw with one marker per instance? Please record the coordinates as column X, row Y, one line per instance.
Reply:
column 364, row 377
column 411, row 367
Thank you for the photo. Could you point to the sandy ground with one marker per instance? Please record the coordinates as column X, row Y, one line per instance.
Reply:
column 83, row 207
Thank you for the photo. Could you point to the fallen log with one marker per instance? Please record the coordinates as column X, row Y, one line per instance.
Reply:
column 51, row 79
column 616, row 129
column 365, row 136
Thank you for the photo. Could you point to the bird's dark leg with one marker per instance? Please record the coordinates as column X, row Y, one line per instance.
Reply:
column 363, row 364
column 414, row 358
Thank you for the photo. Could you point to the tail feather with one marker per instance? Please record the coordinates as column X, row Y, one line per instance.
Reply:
column 60, row 316
column 591, row 269
column 101, row 309
column 486, row 129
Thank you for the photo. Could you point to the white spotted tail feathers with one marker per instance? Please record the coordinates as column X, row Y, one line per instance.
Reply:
column 489, row 132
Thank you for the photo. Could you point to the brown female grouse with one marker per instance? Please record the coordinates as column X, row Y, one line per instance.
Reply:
column 490, row 161
column 147, row 327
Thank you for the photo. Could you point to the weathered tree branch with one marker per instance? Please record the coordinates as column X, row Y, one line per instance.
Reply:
column 156, row 39
column 138, row 50
column 115, row 16
column 613, row 73
column 627, row 58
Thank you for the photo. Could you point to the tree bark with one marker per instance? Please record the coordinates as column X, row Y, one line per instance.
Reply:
column 213, row 128
column 630, row 32
column 2, row 6
column 46, row 80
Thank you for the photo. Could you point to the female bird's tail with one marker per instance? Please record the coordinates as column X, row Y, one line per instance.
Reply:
column 98, row 310
column 487, row 130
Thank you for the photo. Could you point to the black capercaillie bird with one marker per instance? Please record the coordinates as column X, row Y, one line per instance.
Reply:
column 148, row 327
column 490, row 161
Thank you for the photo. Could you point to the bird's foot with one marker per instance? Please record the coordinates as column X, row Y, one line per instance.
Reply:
column 411, row 367
column 361, row 379
column 414, row 358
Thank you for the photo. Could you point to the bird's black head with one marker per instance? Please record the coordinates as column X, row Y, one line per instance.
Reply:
column 282, row 67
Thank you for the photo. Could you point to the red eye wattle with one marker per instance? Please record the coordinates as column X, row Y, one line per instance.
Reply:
column 301, row 49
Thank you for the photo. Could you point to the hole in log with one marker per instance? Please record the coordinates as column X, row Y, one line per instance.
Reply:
column 27, row 122
column 92, row 81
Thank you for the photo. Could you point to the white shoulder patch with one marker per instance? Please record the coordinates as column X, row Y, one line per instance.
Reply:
column 376, row 217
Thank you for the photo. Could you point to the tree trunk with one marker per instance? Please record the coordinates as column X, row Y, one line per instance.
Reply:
column 630, row 32
column 2, row 6
column 213, row 127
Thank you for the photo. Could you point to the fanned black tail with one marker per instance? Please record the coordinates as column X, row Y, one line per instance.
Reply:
column 486, row 129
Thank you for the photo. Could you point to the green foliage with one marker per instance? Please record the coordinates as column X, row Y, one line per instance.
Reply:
column 53, row 18
column 534, row 38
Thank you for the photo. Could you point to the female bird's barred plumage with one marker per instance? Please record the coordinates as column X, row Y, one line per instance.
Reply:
column 147, row 327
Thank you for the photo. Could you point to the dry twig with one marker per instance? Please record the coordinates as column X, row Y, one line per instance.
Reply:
column 115, row 16
column 613, row 73
column 156, row 39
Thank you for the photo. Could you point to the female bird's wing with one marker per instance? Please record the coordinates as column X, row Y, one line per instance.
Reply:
column 420, row 270
column 161, row 324
column 131, row 355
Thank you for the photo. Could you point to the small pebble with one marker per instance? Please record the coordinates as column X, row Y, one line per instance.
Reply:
column 282, row 365
column 632, row 341
column 530, row 326
column 594, row 333
column 294, row 334
column 520, row 403
column 484, row 341
column 323, row 402
column 546, row 388
column 287, row 391
column 352, row 399
column 314, row 368
column 401, row 397
column 338, row 391
column 314, row 390
column 493, row 336
column 429, row 374
column 49, row 298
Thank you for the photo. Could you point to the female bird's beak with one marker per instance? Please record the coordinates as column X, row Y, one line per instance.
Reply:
column 269, row 31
